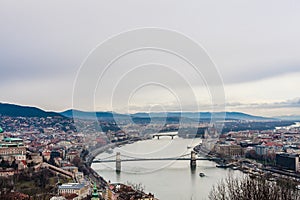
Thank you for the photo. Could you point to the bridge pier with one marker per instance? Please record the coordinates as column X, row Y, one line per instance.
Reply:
column 172, row 137
column 193, row 163
column 118, row 162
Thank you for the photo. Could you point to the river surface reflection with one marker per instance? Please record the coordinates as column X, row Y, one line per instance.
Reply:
column 166, row 179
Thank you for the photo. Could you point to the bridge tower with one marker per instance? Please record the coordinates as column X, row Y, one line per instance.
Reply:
column 118, row 162
column 193, row 163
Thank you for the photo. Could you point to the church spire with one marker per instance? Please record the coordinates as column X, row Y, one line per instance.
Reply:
column 95, row 194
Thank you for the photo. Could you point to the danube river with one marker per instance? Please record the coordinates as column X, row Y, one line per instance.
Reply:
column 166, row 179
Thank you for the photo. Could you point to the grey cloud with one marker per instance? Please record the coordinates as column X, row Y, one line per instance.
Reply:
column 49, row 40
column 259, row 73
column 291, row 103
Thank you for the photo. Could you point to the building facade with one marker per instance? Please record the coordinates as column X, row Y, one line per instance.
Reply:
column 288, row 161
column 79, row 189
column 12, row 147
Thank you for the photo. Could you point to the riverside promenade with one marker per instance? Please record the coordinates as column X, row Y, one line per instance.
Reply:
column 92, row 155
column 107, row 187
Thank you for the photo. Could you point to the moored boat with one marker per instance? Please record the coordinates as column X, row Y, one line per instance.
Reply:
column 201, row 174
column 222, row 166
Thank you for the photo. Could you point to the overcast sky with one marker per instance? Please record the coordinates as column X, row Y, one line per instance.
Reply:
column 255, row 45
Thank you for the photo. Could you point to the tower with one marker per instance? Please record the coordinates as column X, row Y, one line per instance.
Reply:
column 118, row 162
column 193, row 160
column 95, row 194
column 1, row 135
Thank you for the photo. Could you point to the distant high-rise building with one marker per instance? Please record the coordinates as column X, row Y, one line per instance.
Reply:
column 288, row 161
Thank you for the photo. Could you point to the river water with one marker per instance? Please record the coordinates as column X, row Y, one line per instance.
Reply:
column 166, row 179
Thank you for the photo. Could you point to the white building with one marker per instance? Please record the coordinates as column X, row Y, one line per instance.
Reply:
column 79, row 189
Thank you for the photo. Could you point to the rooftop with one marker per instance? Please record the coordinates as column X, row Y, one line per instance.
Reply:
column 12, row 140
column 288, row 155
column 75, row 186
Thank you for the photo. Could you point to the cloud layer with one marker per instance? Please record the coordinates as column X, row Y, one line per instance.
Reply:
column 255, row 45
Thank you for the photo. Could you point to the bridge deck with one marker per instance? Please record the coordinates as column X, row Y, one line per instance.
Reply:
column 152, row 159
column 166, row 134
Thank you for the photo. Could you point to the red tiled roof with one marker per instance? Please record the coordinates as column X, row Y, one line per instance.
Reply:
column 271, row 144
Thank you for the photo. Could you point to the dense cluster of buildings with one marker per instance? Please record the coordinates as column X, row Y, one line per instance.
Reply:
column 279, row 147
column 55, row 144
column 15, row 157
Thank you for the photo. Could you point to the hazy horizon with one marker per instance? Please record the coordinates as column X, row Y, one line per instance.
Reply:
column 93, row 111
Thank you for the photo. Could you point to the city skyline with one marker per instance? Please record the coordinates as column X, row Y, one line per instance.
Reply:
column 149, row 100
column 254, row 45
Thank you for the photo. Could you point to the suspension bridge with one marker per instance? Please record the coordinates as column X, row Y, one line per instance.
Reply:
column 171, row 134
column 125, row 158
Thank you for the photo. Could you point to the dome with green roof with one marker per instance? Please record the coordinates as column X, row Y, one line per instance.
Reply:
column 1, row 130
column 9, row 139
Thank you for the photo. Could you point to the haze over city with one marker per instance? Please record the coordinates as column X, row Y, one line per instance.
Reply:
column 255, row 46
column 149, row 100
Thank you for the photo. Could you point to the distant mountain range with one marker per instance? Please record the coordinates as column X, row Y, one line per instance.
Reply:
column 90, row 115
column 13, row 110
column 191, row 115
column 27, row 111
column 290, row 117
column 207, row 115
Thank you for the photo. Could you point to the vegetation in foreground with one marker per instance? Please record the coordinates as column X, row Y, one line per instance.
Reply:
column 258, row 188
column 30, row 185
